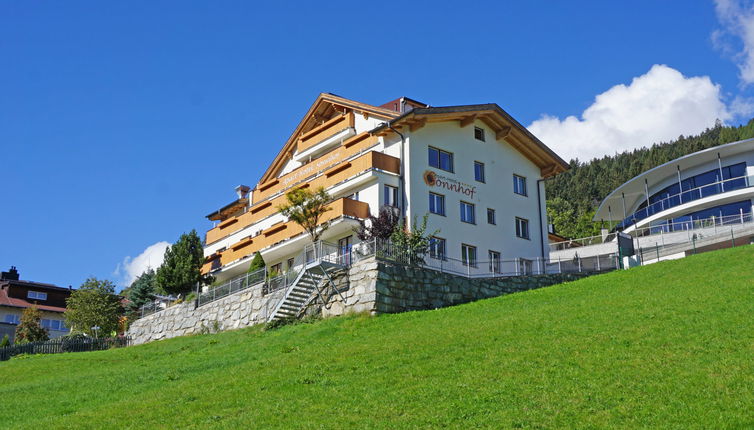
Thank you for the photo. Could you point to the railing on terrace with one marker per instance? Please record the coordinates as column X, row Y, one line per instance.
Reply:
column 661, row 231
column 686, row 197
column 476, row 268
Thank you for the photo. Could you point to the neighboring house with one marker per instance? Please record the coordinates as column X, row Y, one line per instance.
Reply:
column 17, row 295
column 711, row 186
column 474, row 169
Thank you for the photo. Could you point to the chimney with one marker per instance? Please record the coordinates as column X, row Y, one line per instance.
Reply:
column 243, row 191
column 10, row 275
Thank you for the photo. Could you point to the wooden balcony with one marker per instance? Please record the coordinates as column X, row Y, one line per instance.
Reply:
column 322, row 132
column 282, row 231
column 334, row 175
column 349, row 148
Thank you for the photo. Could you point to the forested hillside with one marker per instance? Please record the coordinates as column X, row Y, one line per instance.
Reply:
column 572, row 197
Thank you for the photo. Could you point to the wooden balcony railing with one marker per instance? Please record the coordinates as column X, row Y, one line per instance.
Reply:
column 282, row 231
column 334, row 175
column 322, row 132
column 349, row 148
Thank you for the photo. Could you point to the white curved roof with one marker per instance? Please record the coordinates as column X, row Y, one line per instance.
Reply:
column 634, row 188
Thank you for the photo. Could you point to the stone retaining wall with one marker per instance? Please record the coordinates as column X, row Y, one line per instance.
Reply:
column 371, row 285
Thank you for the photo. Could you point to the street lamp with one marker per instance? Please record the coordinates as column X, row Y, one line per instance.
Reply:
column 95, row 328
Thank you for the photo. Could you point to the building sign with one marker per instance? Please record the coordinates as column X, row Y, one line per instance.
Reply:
column 311, row 168
column 432, row 179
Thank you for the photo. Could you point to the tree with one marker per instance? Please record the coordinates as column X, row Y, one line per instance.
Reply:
column 257, row 263
column 5, row 342
column 415, row 241
column 180, row 271
column 141, row 291
column 306, row 208
column 30, row 329
column 93, row 304
column 381, row 226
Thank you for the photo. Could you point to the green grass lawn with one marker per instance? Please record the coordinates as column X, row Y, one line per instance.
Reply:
column 669, row 345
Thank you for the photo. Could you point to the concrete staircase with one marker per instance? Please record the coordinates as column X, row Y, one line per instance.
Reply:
column 308, row 285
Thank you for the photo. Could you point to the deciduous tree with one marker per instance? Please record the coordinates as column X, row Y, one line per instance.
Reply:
column 306, row 208
column 94, row 304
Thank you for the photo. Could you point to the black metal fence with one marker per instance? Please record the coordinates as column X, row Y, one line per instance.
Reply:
column 60, row 345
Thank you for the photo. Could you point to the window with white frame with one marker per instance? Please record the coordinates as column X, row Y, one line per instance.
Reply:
column 437, row 248
column 522, row 228
column 391, row 196
column 468, row 255
column 479, row 171
column 12, row 319
column 36, row 295
column 467, row 213
column 491, row 216
column 437, row 204
column 519, row 185
column 524, row 266
column 479, row 133
column 441, row 159
column 494, row 261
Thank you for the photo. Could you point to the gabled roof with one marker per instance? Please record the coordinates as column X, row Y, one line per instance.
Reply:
column 324, row 107
column 504, row 126
column 5, row 300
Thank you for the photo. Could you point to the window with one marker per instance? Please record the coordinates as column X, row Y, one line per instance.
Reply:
column 437, row 204
column 290, row 264
column 467, row 213
column 12, row 319
column 479, row 133
column 276, row 269
column 468, row 255
column 479, row 171
column 491, row 216
column 391, row 196
column 440, row 159
column 437, row 248
column 524, row 266
column 354, row 196
column 519, row 185
column 56, row 325
column 37, row 295
column 494, row 262
column 522, row 228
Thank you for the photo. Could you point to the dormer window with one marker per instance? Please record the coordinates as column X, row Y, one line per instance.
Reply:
column 36, row 295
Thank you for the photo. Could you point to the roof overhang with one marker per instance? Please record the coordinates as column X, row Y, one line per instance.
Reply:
column 505, row 127
column 611, row 208
column 321, row 110
column 228, row 209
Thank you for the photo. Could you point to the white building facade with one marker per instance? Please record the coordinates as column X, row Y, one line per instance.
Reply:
column 474, row 171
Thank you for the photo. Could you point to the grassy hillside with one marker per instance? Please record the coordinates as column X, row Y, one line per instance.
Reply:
column 667, row 345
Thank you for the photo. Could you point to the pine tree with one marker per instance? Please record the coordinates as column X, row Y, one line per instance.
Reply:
column 141, row 291
column 257, row 263
column 180, row 271
column 30, row 329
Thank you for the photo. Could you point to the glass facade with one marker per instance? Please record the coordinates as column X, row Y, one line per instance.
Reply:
column 693, row 188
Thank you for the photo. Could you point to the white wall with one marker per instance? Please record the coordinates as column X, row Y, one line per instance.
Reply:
column 501, row 161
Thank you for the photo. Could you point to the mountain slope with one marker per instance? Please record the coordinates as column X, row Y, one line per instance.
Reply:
column 667, row 345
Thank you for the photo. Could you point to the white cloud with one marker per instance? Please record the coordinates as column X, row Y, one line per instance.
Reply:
column 736, row 37
column 131, row 268
column 657, row 106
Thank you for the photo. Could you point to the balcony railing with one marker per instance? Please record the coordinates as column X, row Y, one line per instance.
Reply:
column 329, row 128
column 337, row 174
column 686, row 197
column 283, row 231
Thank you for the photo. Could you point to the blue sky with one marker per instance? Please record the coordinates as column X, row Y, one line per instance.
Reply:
column 122, row 124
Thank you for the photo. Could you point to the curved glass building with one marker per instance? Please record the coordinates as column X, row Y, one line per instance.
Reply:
column 715, row 185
